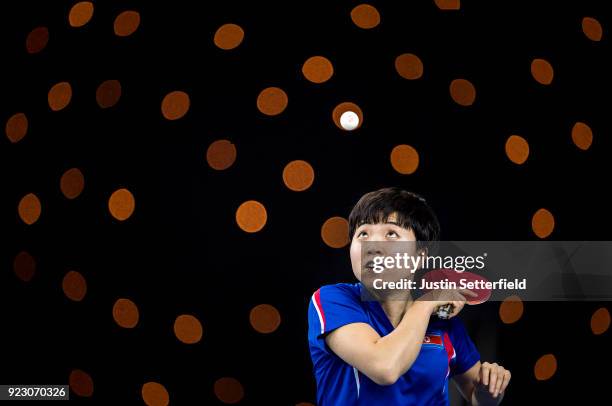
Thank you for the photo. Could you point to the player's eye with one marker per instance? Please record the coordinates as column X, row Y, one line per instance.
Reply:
column 392, row 234
column 362, row 234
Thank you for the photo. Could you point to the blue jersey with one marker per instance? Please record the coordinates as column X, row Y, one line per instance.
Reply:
column 446, row 351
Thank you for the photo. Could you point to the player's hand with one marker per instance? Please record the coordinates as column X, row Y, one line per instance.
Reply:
column 442, row 297
column 492, row 381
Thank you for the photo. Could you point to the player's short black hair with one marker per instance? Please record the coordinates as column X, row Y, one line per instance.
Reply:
column 413, row 212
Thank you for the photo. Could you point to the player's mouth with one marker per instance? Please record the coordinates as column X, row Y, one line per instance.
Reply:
column 369, row 265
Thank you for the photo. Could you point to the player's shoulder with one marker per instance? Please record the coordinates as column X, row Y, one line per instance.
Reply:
column 343, row 290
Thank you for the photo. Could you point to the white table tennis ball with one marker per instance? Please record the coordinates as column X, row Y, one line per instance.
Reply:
column 349, row 120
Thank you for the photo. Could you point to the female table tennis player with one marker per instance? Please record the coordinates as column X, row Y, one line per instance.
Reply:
column 394, row 352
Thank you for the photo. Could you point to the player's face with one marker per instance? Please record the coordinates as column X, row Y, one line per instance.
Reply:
column 387, row 231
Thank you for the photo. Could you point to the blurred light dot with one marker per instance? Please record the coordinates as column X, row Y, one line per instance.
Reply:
column 29, row 208
column 229, row 36
column 511, row 309
column 365, row 16
column 349, row 120
column 127, row 23
column 175, row 105
column 517, row 149
column 542, row 71
column 272, row 101
column 125, row 313
column 251, row 216
column 188, row 329
column 448, row 4
column 404, row 159
column 228, row 390
column 298, row 175
column 463, row 92
column 409, row 66
column 155, row 394
column 545, row 367
column 81, row 383
column 16, row 127
column 592, row 28
column 221, row 154
column 108, row 93
column 37, row 40
column 318, row 69
column 334, row 232
column 600, row 321
column 72, row 183
column 342, row 108
column 74, row 286
column 59, row 96
column 582, row 135
column 121, row 204
column 80, row 13
column 24, row 266
column 264, row 318
column 543, row 223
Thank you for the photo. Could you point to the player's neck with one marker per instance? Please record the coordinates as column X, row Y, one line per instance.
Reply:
column 395, row 309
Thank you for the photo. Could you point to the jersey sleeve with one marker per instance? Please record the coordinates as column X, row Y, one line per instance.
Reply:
column 466, row 352
column 331, row 307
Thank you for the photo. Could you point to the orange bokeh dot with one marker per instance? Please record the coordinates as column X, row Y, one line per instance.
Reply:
column 229, row 36
column 175, row 105
column 37, row 40
column 404, row 159
column 344, row 107
column 29, row 208
column 121, row 204
column 272, row 101
column 221, row 154
column 365, row 16
column 228, row 390
column 81, row 13
column 188, row 329
column 542, row 71
column 108, row 93
column 600, row 321
column 126, row 23
column 592, row 28
column 81, row 383
column 265, row 318
column 24, row 266
column 318, row 69
column 448, row 4
column 511, row 309
column 582, row 135
column 543, row 223
column 545, row 367
column 125, row 313
column 298, row 175
column 74, row 286
column 155, row 394
column 72, row 183
column 409, row 66
column 334, row 232
column 463, row 92
column 251, row 216
column 517, row 149
column 16, row 127
column 59, row 96
column 304, row 404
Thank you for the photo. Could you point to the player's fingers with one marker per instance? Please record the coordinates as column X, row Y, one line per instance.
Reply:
column 501, row 376
column 467, row 292
column 492, row 379
column 507, row 376
column 484, row 373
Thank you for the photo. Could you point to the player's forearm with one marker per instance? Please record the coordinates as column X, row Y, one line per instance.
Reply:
column 398, row 350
